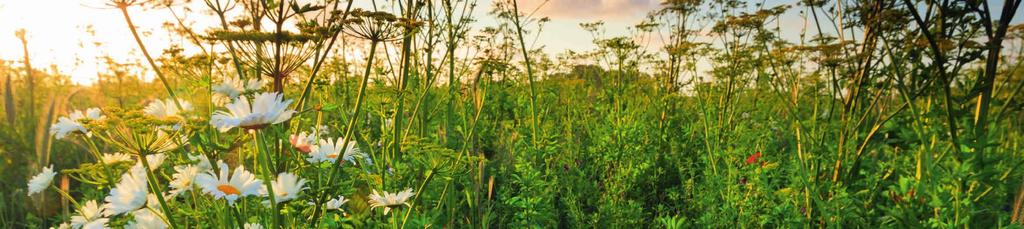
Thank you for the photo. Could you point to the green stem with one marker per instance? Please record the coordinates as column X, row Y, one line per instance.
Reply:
column 268, row 175
column 155, row 185
column 156, row 69
column 317, row 210
column 430, row 174
column 68, row 197
column 529, row 72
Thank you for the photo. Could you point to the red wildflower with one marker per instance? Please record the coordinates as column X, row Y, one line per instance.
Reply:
column 753, row 158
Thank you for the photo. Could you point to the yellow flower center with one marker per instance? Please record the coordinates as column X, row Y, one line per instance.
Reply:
column 228, row 189
column 332, row 156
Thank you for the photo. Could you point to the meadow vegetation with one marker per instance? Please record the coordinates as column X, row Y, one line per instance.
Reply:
column 408, row 114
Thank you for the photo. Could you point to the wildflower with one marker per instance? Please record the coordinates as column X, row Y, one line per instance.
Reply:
column 320, row 131
column 167, row 108
column 336, row 203
column 89, row 216
column 143, row 141
column 374, row 26
column 62, row 226
column 266, row 108
column 113, row 158
column 753, row 158
column 302, row 142
column 389, row 200
column 129, row 194
column 219, row 99
column 330, row 151
column 287, row 187
column 233, row 87
column 204, row 163
column 40, row 181
column 147, row 218
column 240, row 184
column 154, row 160
column 73, row 123
column 183, row 178
column 253, row 226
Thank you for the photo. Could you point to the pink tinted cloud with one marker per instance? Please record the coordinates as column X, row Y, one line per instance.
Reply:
column 591, row 9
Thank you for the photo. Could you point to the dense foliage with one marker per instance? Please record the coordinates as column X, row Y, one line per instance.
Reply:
column 908, row 114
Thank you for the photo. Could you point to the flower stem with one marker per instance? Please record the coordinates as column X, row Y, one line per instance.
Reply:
column 159, row 192
column 348, row 132
column 268, row 175
column 160, row 75
column 68, row 197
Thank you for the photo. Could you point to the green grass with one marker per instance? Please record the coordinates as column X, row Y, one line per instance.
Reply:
column 742, row 130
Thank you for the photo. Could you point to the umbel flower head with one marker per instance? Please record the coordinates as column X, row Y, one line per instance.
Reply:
column 113, row 158
column 240, row 184
column 378, row 26
column 266, row 108
column 389, row 200
column 136, row 133
column 73, row 123
column 329, row 150
column 275, row 54
column 129, row 194
column 40, row 181
column 89, row 216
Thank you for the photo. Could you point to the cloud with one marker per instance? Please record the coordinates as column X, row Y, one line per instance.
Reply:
column 591, row 9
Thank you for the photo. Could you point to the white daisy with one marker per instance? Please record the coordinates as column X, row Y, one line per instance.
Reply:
column 204, row 162
column 183, row 178
column 40, row 181
column 89, row 216
column 302, row 142
column 62, row 226
column 129, row 194
column 73, row 122
column 154, row 160
column 167, row 109
column 241, row 183
column 147, row 218
column 389, row 200
column 233, row 87
column 253, row 226
column 112, row 158
column 320, row 131
column 330, row 151
column 266, row 108
column 287, row 187
column 335, row 204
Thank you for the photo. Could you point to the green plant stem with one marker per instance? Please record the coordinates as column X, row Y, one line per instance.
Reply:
column 430, row 175
column 68, row 197
column 156, row 69
column 317, row 210
column 155, row 185
column 308, row 89
column 268, row 175
column 529, row 73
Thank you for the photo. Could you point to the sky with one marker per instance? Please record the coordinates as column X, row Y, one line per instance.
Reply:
column 58, row 30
